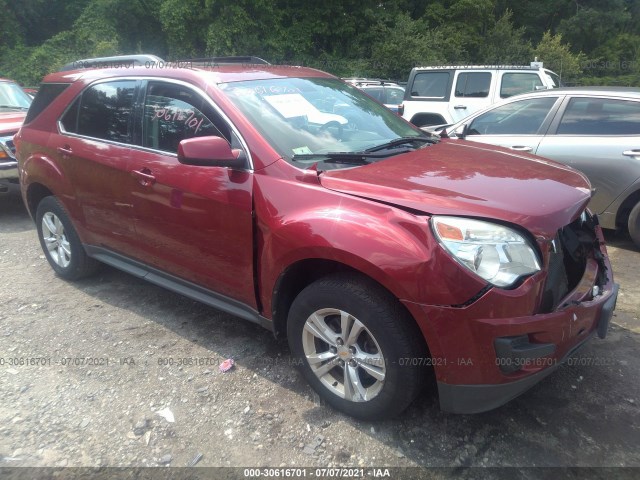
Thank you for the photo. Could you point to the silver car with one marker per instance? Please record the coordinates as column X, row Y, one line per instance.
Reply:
column 595, row 130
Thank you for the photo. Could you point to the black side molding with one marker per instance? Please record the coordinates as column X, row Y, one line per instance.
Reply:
column 178, row 285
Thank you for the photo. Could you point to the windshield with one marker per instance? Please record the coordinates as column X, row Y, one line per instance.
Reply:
column 312, row 116
column 12, row 96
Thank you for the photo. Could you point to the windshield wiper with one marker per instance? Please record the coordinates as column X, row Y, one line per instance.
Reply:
column 347, row 158
column 401, row 141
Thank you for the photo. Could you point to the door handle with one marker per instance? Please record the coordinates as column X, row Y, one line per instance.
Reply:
column 65, row 150
column 460, row 107
column 521, row 148
column 144, row 176
column 631, row 153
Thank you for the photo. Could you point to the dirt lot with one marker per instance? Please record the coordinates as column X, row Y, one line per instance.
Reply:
column 102, row 358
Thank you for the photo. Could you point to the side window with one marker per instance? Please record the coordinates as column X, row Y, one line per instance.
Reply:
column 174, row 112
column 600, row 116
column 394, row 96
column 430, row 84
column 515, row 83
column 69, row 120
column 473, row 84
column 105, row 111
column 376, row 92
column 524, row 117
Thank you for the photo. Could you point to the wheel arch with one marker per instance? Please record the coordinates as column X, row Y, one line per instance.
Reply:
column 297, row 276
column 34, row 194
column 625, row 208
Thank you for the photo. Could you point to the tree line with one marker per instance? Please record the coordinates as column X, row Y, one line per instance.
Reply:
column 586, row 41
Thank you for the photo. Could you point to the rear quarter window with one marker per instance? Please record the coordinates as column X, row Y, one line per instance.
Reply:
column 430, row 84
column 47, row 93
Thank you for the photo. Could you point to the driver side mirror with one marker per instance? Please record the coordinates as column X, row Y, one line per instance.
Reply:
column 211, row 152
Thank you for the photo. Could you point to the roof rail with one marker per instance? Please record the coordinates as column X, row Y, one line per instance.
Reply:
column 215, row 61
column 118, row 61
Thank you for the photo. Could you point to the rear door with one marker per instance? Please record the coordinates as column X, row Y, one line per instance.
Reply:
column 194, row 222
column 93, row 147
column 599, row 136
column 471, row 92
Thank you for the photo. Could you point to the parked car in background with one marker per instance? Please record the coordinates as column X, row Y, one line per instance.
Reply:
column 31, row 91
column 14, row 103
column 390, row 94
column 445, row 94
column 595, row 130
column 289, row 198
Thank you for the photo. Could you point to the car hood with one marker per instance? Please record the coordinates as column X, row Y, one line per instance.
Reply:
column 461, row 178
column 10, row 122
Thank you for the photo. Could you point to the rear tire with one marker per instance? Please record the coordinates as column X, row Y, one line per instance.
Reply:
column 354, row 343
column 634, row 224
column 60, row 242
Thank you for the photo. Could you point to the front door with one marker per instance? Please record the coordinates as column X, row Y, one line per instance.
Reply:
column 194, row 222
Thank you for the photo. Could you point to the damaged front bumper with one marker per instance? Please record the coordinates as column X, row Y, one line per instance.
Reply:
column 492, row 350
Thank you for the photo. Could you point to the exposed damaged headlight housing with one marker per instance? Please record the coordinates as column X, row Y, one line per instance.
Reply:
column 496, row 253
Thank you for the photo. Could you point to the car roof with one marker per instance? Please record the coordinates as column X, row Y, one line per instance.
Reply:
column 215, row 74
column 480, row 67
column 632, row 92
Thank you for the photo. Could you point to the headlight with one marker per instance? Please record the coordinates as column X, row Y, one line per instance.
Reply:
column 498, row 254
column 5, row 150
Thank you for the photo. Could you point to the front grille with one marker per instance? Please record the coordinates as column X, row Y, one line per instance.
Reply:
column 11, row 146
column 572, row 246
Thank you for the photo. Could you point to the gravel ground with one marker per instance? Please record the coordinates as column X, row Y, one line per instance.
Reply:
column 91, row 376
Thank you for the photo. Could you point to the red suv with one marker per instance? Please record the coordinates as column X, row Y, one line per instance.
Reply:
column 14, row 103
column 288, row 198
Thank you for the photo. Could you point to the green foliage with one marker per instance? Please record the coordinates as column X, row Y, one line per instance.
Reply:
column 505, row 44
column 584, row 40
column 558, row 57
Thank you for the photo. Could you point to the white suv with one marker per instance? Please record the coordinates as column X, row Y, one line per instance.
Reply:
column 446, row 94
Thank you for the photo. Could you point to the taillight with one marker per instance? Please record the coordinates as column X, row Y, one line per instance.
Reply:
column 401, row 109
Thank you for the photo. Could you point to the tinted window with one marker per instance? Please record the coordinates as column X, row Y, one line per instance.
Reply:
column 70, row 119
column 47, row 93
column 600, row 116
column 173, row 113
column 376, row 92
column 473, row 84
column 394, row 96
column 524, row 117
column 430, row 84
column 515, row 83
column 106, row 109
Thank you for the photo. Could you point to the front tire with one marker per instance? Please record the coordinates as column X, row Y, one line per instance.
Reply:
column 634, row 224
column 354, row 343
column 60, row 242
